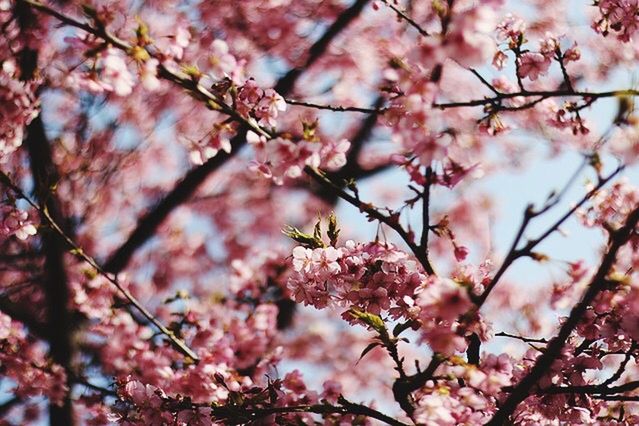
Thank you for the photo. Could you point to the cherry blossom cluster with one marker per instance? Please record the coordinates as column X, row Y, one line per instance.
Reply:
column 25, row 364
column 147, row 403
column 373, row 277
column 282, row 158
column 441, row 303
column 15, row 222
column 617, row 16
column 18, row 106
column 448, row 403
column 413, row 84
column 610, row 206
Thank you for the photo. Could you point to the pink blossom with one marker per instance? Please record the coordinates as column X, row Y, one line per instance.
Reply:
column 461, row 253
column 499, row 60
column 15, row 222
column 573, row 54
column 221, row 61
column 302, row 259
column 324, row 261
column 532, row 65
column 444, row 299
column 335, row 154
column 18, row 106
column 115, row 74
column 270, row 106
column 148, row 75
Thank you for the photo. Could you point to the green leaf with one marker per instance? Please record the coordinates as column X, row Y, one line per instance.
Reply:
column 374, row 321
column 317, row 230
column 333, row 230
column 307, row 240
column 309, row 131
column 367, row 349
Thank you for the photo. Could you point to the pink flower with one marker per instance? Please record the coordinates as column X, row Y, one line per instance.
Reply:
column 269, row 107
column 444, row 299
column 200, row 416
column 499, row 60
column 572, row 54
column 332, row 390
column 335, row 154
column 15, row 222
column 324, row 261
column 460, row 253
column 548, row 46
column 148, row 75
column 222, row 62
column 115, row 74
column 532, row 65
column 179, row 42
column 511, row 29
column 18, row 106
column 302, row 259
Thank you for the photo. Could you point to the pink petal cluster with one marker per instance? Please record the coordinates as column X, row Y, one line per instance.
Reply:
column 371, row 277
column 25, row 364
column 18, row 106
column 620, row 16
column 441, row 303
column 282, row 158
column 14, row 221
column 532, row 65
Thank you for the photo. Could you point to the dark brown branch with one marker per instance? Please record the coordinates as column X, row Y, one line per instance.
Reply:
column 618, row 239
column 336, row 108
column 522, row 338
column 622, row 366
column 602, row 389
column 404, row 387
column 423, row 241
column 56, row 289
column 286, row 84
column 628, row 398
column 405, row 17
column 497, row 99
column 474, row 347
column 148, row 224
column 247, row 414
column 515, row 253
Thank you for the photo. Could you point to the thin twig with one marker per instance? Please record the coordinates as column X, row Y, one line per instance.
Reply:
column 336, row 108
column 539, row 93
column 406, row 18
column 79, row 252
column 514, row 253
column 373, row 213
column 522, row 338
column 618, row 239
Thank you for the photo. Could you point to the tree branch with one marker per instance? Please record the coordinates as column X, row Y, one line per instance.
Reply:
column 373, row 213
column 148, row 223
column 542, row 94
column 617, row 240
column 56, row 289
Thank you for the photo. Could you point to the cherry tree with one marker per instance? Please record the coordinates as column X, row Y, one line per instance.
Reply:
column 183, row 192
